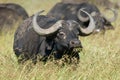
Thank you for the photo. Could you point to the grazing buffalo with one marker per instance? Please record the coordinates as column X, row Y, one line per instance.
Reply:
column 43, row 35
column 10, row 13
column 71, row 11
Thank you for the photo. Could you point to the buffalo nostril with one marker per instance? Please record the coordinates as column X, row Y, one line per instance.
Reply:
column 72, row 42
column 75, row 43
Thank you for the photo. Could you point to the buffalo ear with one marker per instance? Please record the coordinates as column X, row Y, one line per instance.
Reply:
column 109, row 27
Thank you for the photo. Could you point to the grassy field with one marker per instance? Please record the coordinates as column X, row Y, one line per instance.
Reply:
column 100, row 59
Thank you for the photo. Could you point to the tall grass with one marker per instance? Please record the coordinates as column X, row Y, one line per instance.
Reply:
column 100, row 59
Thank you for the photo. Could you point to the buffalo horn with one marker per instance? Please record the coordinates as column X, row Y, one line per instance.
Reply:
column 91, row 25
column 80, row 17
column 42, row 31
column 84, row 19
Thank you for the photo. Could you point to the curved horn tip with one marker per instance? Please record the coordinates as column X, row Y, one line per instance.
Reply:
column 40, row 12
column 114, row 17
column 80, row 17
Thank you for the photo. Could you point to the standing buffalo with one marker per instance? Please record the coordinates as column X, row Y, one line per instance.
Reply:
column 71, row 11
column 42, row 35
column 10, row 13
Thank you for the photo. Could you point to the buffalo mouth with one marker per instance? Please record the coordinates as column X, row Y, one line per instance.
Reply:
column 77, row 49
column 72, row 49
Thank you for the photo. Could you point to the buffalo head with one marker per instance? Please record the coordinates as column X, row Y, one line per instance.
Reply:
column 102, row 23
column 64, row 32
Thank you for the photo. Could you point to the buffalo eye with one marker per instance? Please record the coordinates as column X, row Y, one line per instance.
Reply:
column 62, row 35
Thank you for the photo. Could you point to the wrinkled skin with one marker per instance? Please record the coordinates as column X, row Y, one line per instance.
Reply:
column 29, row 45
column 68, row 11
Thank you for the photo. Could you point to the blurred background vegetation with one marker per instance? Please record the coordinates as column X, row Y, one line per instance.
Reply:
column 33, row 6
column 100, row 59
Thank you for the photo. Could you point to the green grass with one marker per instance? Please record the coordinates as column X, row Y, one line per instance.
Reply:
column 100, row 59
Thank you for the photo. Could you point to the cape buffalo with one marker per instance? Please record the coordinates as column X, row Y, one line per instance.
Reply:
column 42, row 35
column 10, row 13
column 68, row 11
